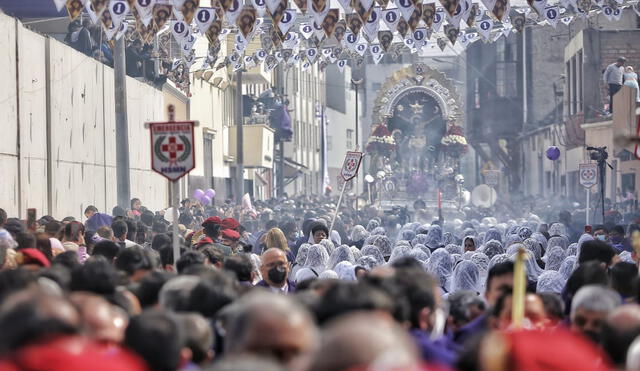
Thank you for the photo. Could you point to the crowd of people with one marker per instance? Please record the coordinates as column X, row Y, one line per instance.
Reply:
column 275, row 287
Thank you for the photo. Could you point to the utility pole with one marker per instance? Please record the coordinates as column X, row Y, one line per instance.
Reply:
column 356, row 84
column 239, row 140
column 122, row 125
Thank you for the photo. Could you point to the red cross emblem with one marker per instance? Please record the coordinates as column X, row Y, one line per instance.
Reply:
column 172, row 148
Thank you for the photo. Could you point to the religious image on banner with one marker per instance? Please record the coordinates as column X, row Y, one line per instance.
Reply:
column 500, row 8
column 99, row 5
column 341, row 28
column 428, row 13
column 451, row 32
column 276, row 37
column 415, row 18
column 247, row 20
column 363, row 9
column 383, row 3
column 450, row 6
column 106, row 20
column 442, row 43
column 189, row 8
column 278, row 13
column 147, row 32
column 319, row 6
column 74, row 8
column 214, row 31
column 354, row 22
column 473, row 14
column 266, row 41
column 402, row 27
column 161, row 14
column 225, row 4
column 330, row 21
column 386, row 39
column 518, row 20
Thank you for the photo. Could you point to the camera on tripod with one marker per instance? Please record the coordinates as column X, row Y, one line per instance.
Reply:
column 598, row 154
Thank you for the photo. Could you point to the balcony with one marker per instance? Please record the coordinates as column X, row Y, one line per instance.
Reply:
column 258, row 145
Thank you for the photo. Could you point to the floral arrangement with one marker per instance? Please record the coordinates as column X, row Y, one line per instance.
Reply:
column 454, row 143
column 381, row 142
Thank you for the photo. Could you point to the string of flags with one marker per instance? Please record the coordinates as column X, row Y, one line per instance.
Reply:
column 309, row 32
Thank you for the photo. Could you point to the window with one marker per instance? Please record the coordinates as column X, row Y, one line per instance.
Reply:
column 329, row 143
column 579, row 82
column 349, row 138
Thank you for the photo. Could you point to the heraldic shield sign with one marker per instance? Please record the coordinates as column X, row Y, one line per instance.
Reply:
column 172, row 150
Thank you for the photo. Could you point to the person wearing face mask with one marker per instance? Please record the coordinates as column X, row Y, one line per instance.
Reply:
column 617, row 239
column 274, row 269
column 589, row 309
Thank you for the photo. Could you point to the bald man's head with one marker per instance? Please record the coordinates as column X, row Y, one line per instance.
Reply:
column 621, row 327
column 275, row 267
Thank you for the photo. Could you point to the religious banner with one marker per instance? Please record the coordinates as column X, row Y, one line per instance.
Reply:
column 340, row 29
column 450, row 6
column 386, row 39
column 500, row 8
column 363, row 9
column 213, row 32
column 552, row 13
column 391, row 17
column 119, row 10
column 484, row 28
column 161, row 14
column 99, row 5
column 204, row 18
column 428, row 14
column 247, row 20
column 402, row 27
column 302, row 5
column 354, row 22
column 231, row 14
column 451, row 32
column 406, row 8
column 473, row 14
column 415, row 18
column 188, row 9
column 74, row 8
column 438, row 19
column 331, row 21
column 372, row 25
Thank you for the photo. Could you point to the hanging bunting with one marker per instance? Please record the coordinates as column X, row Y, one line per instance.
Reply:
column 179, row 30
column 161, row 14
column 326, row 53
column 402, row 27
column 312, row 54
column 74, row 8
column 518, row 20
column 617, row 14
column 92, row 14
column 287, row 21
column 270, row 62
column 261, row 7
column 188, row 9
column 386, row 39
column 340, row 30
column 372, row 25
column 473, row 15
column 438, row 19
column 108, row 26
column 261, row 55
column 341, row 64
column 391, row 17
column 354, row 22
column 306, row 30
column 213, row 32
column 442, row 43
column 99, row 5
column 318, row 9
column 406, row 8
column 346, row 6
column 454, row 19
column 500, row 9
column 415, row 18
column 383, row 3
column 552, row 13
column 538, row 6
column 410, row 43
column 146, row 32
column 331, row 21
column 302, row 5
column 247, row 20
column 361, row 48
column 231, row 15
column 273, row 5
column 119, row 10
column 489, row 4
column 204, row 18
column 363, row 9
column 60, row 4
column 350, row 40
column 428, row 13
column 484, row 28
column 584, row 6
column 145, row 10
column 420, row 35
column 375, row 50
column 450, row 6
column 608, row 12
column 277, row 15
column 451, row 32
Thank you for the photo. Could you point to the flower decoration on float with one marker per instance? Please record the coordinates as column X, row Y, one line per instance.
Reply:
column 454, row 143
column 381, row 142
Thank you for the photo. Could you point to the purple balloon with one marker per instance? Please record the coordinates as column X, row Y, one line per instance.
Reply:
column 553, row 153
column 198, row 194
column 206, row 200
column 210, row 193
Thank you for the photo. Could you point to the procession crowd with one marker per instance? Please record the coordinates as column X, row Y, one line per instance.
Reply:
column 275, row 286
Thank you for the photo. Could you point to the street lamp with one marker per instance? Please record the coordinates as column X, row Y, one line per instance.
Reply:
column 356, row 85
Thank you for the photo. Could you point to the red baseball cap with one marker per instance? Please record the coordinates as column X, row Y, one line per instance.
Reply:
column 34, row 256
column 230, row 234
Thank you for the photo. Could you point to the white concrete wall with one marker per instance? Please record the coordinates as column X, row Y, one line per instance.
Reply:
column 82, row 120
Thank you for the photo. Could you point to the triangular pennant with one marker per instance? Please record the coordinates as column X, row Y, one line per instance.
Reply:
column 306, row 31
column 247, row 20
column 188, row 9
column 277, row 15
column 341, row 64
column 351, row 40
column 124, row 26
column 428, row 13
column 500, row 9
column 270, row 63
column 363, row 9
column 354, row 22
column 518, row 20
column 261, row 7
column 273, row 5
column 214, row 31
column 302, row 5
column 249, row 62
column 617, row 14
column 451, row 32
column 346, row 6
column 74, row 8
column 415, row 18
column 108, row 26
column 383, row 3
column 438, row 19
column 372, row 25
column 551, row 13
column 340, row 30
column 420, row 35
column 608, row 12
column 466, row 8
column 455, row 19
column 361, row 48
column 442, row 43
column 99, row 5
column 584, row 6
column 233, row 12
column 406, row 7
column 327, row 52
column 538, row 6
column 261, row 55
column 330, row 21
column 377, row 58
column 484, row 28
column 92, row 15
column 312, row 54
column 402, row 27
column 119, row 10
column 450, row 6
column 305, row 66
column 204, row 18
column 287, row 21
column 473, row 15
column 375, row 50
column 489, row 4
column 161, row 14
column 318, row 9
column 60, row 4
column 391, row 17
column 386, row 39
column 179, row 30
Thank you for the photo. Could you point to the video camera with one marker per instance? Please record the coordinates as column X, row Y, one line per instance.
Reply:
column 599, row 154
